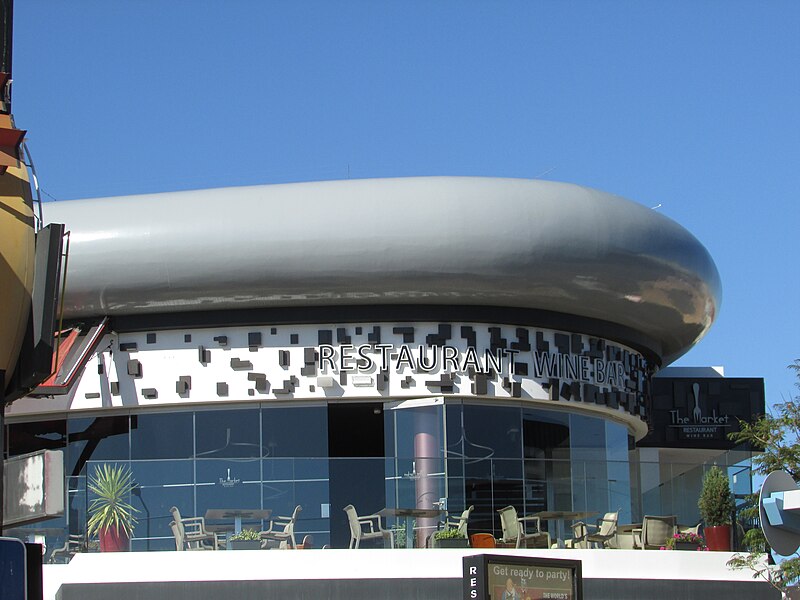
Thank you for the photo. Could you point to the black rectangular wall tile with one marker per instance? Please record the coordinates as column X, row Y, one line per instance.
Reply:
column 468, row 333
column 254, row 340
column 554, row 389
column 480, row 385
column 541, row 344
column 375, row 336
column 406, row 332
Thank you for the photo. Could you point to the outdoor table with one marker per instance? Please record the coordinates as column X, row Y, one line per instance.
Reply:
column 412, row 513
column 560, row 516
column 237, row 514
column 626, row 535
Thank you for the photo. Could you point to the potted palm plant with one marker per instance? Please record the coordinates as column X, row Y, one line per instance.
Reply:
column 716, row 506
column 110, row 514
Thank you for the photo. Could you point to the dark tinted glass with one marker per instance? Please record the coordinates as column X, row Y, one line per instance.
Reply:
column 162, row 435
column 38, row 435
column 227, row 434
column 296, row 431
column 96, row 439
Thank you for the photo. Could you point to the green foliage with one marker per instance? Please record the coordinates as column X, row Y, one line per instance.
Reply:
column 399, row 537
column 716, row 501
column 112, row 485
column 448, row 534
column 778, row 576
column 776, row 437
column 246, row 535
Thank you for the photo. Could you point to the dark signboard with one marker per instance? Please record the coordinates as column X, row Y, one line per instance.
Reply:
column 497, row 577
column 13, row 572
column 700, row 412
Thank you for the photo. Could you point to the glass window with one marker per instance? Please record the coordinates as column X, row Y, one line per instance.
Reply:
column 96, row 439
column 619, row 474
column 492, row 438
column 227, row 434
column 162, row 435
column 546, row 437
column 152, row 531
column 492, row 432
column 36, row 435
column 416, row 477
column 295, row 431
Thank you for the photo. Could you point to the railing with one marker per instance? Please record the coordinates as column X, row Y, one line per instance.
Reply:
column 324, row 485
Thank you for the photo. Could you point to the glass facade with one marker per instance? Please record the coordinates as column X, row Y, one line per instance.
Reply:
column 449, row 454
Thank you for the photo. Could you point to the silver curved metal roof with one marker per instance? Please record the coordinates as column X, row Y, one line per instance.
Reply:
column 427, row 240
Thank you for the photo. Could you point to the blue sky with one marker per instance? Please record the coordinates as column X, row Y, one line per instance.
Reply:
column 691, row 105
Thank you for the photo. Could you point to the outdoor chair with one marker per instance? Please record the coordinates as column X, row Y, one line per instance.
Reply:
column 655, row 531
column 602, row 534
column 374, row 529
column 625, row 539
column 191, row 533
column 514, row 530
column 306, row 544
column 281, row 530
column 74, row 544
column 458, row 523
column 695, row 529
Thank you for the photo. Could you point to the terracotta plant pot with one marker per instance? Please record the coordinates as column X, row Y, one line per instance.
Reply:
column 718, row 538
column 113, row 540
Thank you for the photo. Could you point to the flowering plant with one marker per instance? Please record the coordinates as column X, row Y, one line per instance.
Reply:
column 689, row 538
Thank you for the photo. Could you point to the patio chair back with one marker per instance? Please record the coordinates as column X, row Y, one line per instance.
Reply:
column 191, row 534
column 284, row 537
column 373, row 522
column 355, row 526
column 608, row 526
column 179, row 534
column 656, row 530
column 509, row 522
column 463, row 521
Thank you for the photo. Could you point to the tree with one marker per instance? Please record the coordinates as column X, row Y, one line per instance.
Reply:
column 778, row 437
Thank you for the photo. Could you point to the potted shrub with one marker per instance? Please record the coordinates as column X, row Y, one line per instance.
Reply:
column 685, row 541
column 450, row 538
column 716, row 506
column 110, row 514
column 246, row 539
